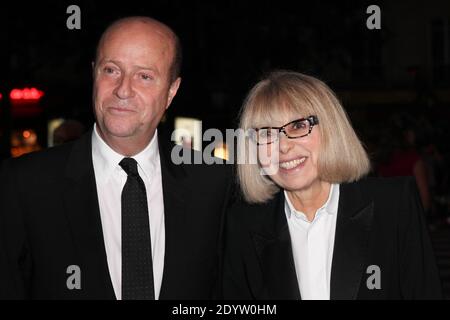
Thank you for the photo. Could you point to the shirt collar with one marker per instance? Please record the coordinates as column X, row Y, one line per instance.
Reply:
column 330, row 206
column 106, row 160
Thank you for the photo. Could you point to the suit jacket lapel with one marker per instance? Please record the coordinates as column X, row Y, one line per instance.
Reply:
column 273, row 246
column 351, row 240
column 82, row 209
column 175, row 193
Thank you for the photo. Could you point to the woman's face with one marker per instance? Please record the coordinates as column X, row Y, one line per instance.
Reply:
column 291, row 163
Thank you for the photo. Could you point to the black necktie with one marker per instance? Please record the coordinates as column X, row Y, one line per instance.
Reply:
column 137, row 269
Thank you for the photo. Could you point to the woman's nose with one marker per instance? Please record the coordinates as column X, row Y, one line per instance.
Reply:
column 285, row 144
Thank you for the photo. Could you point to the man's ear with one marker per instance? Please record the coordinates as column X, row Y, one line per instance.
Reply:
column 173, row 91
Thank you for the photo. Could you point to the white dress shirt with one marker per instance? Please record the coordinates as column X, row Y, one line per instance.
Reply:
column 110, row 179
column 312, row 246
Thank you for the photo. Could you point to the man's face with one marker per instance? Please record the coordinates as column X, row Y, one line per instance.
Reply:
column 132, row 87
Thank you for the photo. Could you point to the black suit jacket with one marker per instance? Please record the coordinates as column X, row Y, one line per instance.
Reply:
column 50, row 219
column 380, row 222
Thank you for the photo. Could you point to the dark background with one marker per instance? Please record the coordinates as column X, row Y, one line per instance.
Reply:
column 399, row 72
column 228, row 45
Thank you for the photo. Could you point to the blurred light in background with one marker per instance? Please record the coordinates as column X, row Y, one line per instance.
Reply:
column 26, row 102
column 188, row 132
column 26, row 134
column 26, row 94
column 221, row 151
column 51, row 126
column 23, row 141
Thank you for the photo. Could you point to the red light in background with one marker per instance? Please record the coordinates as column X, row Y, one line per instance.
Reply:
column 26, row 94
column 25, row 102
column 1, row 96
column 26, row 134
column 16, row 94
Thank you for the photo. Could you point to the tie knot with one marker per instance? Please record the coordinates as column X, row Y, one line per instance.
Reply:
column 130, row 166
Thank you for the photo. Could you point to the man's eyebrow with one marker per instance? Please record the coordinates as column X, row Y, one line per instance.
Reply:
column 146, row 68
column 103, row 61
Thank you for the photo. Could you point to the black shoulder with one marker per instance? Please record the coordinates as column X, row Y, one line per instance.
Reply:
column 245, row 213
column 39, row 161
column 387, row 185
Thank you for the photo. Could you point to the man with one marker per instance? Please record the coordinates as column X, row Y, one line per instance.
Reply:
column 110, row 215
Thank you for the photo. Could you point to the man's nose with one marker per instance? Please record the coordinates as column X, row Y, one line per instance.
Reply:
column 124, row 89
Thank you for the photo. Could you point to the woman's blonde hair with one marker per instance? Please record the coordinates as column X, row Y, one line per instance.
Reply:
column 342, row 157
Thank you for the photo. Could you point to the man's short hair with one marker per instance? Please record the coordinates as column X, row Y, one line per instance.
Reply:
column 175, row 68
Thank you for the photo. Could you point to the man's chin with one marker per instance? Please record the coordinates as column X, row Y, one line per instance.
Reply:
column 126, row 133
column 118, row 131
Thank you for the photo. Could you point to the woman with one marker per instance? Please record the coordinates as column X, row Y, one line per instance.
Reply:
column 310, row 225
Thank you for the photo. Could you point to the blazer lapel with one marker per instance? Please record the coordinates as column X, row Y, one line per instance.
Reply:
column 273, row 246
column 351, row 240
column 82, row 209
column 175, row 193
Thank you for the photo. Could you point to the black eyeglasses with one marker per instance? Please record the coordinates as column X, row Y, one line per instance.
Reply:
column 294, row 129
